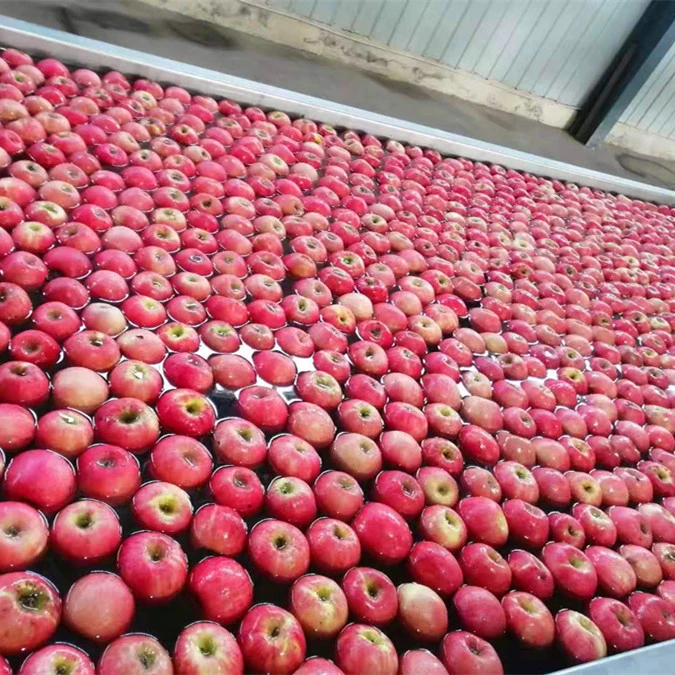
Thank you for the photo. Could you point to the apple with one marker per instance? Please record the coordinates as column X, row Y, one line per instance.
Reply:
column 86, row 532
column 579, row 637
column 99, row 606
column 132, row 653
column 145, row 551
column 528, row 619
column 480, row 612
column 53, row 658
column 655, row 614
column 24, row 536
column 271, row 640
column 337, row 494
column 422, row 612
column 205, row 646
column 41, row 477
column 182, row 461
column 645, row 564
column 484, row 566
column 573, row 572
column 32, row 608
column 334, row 546
column 319, row 604
column 240, row 442
column 420, row 661
column 292, row 500
column 383, row 533
column 279, row 550
column 631, row 526
column 434, row 566
column 617, row 623
column 463, row 652
column 361, row 648
column 108, row 473
column 223, row 589
column 615, row 575
column 371, row 595
column 485, row 520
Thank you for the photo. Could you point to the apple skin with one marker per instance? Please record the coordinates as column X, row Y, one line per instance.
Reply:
column 27, row 626
column 666, row 590
column 279, row 550
column 598, row 526
column 479, row 611
column 42, row 478
column 371, row 595
column 271, row 640
column 99, row 606
column 338, row 495
column 383, row 533
column 655, row 614
column 660, row 520
column 573, row 572
column 130, row 653
column 205, row 646
column 361, row 648
column 55, row 657
column 579, row 637
column 484, row 521
column 567, row 529
column 222, row 587
column 528, row 619
column 528, row 524
column 529, row 574
column 86, row 532
column 422, row 612
column 434, row 566
column 618, row 624
column 315, row 665
column 464, row 652
column 218, row 529
column 145, row 551
column 420, row 661
column 24, row 536
column 483, row 566
column 631, row 526
column 645, row 564
column 319, row 604
column 615, row 575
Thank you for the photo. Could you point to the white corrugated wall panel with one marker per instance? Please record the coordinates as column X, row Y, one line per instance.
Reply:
column 552, row 48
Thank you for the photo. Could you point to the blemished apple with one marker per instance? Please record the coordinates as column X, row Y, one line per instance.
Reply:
column 320, row 605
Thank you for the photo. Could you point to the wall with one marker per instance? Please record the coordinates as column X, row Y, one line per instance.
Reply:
column 533, row 58
column 556, row 49
column 648, row 124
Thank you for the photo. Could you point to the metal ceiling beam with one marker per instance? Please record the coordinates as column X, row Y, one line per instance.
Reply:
column 639, row 55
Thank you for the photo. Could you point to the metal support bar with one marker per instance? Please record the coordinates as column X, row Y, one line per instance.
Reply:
column 78, row 50
column 639, row 55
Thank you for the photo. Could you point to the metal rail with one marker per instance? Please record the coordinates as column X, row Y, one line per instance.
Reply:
column 91, row 53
